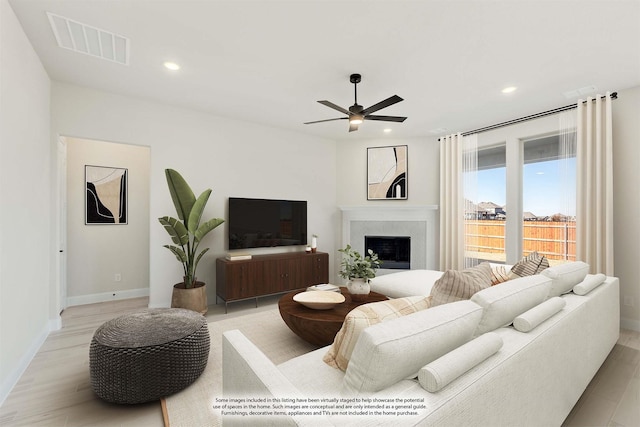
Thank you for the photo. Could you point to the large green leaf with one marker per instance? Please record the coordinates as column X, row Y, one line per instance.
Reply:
column 181, row 194
column 195, row 266
column 178, row 252
column 176, row 229
column 196, row 211
column 205, row 228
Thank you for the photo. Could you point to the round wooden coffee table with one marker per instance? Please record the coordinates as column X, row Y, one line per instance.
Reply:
column 319, row 327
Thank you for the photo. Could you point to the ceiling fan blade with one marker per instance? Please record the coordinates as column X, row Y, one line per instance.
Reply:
column 326, row 120
column 352, row 127
column 382, row 104
column 386, row 118
column 335, row 107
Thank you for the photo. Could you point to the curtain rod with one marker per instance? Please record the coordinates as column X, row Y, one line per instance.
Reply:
column 614, row 95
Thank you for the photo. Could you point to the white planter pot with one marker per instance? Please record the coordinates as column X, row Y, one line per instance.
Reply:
column 359, row 289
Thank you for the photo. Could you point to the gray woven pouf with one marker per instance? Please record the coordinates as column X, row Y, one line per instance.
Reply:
column 148, row 355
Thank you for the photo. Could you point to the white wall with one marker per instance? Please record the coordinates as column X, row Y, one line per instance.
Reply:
column 25, row 218
column 98, row 252
column 626, row 203
column 234, row 158
column 423, row 171
column 423, row 178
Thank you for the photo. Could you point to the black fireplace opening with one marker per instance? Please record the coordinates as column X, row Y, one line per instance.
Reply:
column 393, row 251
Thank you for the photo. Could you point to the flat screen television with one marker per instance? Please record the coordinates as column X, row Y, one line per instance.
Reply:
column 257, row 223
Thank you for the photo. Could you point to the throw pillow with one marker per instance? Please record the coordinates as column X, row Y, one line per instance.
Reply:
column 499, row 274
column 364, row 316
column 530, row 319
column 590, row 282
column 439, row 373
column 460, row 285
column 533, row 263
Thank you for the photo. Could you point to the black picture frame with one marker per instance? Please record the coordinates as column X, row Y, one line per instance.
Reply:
column 106, row 199
column 387, row 171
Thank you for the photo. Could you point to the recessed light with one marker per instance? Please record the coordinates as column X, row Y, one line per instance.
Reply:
column 509, row 89
column 387, row 130
column 171, row 66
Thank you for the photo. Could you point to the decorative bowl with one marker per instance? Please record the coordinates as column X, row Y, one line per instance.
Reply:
column 319, row 300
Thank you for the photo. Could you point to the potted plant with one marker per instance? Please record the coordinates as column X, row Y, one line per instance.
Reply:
column 186, row 234
column 358, row 270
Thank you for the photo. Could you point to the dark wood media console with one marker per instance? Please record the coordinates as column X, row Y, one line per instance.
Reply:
column 264, row 275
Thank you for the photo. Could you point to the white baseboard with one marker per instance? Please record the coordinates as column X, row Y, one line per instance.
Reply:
column 630, row 324
column 107, row 296
column 55, row 324
column 23, row 363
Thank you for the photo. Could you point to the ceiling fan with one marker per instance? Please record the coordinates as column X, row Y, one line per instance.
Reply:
column 356, row 113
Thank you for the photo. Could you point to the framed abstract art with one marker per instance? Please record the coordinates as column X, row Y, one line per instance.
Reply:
column 105, row 195
column 387, row 173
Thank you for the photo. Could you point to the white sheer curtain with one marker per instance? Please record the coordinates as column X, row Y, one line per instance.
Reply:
column 458, row 163
column 594, row 228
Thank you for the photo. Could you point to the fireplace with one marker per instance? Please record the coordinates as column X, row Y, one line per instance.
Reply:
column 393, row 251
column 417, row 222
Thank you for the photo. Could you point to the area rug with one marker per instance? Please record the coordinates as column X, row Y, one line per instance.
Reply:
column 193, row 406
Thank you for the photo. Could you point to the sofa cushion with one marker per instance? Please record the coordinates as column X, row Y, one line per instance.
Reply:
column 405, row 283
column 528, row 320
column 533, row 263
column 395, row 350
column 589, row 283
column 437, row 374
column 565, row 276
column 364, row 316
column 502, row 303
column 457, row 285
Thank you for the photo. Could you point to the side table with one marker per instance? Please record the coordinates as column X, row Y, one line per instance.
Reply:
column 319, row 327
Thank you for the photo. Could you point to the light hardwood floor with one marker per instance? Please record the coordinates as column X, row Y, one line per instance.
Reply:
column 55, row 389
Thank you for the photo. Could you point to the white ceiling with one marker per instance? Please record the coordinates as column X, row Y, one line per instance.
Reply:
column 269, row 61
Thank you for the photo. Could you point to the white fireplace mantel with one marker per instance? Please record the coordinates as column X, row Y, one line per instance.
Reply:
column 419, row 222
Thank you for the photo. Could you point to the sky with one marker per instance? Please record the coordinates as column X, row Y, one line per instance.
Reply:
column 546, row 187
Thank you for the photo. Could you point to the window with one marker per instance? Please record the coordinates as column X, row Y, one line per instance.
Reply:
column 549, row 199
column 486, row 211
column 522, row 196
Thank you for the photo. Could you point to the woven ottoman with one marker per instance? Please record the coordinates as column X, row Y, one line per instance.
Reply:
column 148, row 355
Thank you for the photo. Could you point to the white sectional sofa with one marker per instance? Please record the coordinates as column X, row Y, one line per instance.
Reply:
column 457, row 364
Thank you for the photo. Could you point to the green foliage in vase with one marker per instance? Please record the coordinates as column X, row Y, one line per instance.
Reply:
column 355, row 266
column 187, row 232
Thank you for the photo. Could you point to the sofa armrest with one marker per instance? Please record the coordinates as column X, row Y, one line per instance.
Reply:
column 247, row 372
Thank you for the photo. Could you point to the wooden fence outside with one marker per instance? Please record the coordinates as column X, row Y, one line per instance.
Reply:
column 555, row 240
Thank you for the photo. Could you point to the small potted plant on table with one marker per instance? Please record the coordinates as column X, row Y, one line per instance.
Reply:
column 358, row 270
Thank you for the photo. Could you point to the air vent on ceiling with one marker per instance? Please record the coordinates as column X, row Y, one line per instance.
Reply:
column 89, row 40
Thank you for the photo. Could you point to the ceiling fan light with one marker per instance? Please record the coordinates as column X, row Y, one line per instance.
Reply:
column 356, row 119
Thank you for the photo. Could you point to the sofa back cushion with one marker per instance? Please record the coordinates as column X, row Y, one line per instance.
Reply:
column 360, row 318
column 565, row 276
column 457, row 285
column 504, row 302
column 395, row 350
